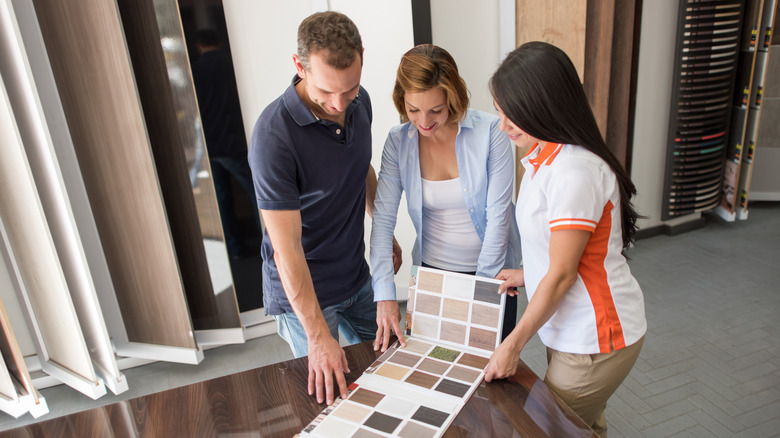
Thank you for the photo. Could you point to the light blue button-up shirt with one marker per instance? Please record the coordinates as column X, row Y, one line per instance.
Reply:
column 486, row 171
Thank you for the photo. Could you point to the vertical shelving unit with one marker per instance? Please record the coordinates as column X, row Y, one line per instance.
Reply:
column 705, row 70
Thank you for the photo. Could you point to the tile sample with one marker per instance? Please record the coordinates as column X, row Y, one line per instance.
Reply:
column 453, row 388
column 414, row 430
column 453, row 332
column 422, row 379
column 366, row 397
column 444, row 354
column 430, row 304
column 352, row 412
column 455, row 309
column 417, row 346
column 433, row 366
column 473, row 361
column 429, row 281
column 464, row 374
column 487, row 292
column 430, row 416
column 484, row 315
column 460, row 286
column 382, row 422
column 392, row 371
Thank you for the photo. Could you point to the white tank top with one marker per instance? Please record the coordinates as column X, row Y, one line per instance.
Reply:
column 449, row 240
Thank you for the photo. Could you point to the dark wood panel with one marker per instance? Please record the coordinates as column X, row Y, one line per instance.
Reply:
column 611, row 49
column 168, row 141
column 272, row 402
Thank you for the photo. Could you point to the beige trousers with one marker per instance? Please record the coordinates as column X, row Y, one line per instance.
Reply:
column 586, row 381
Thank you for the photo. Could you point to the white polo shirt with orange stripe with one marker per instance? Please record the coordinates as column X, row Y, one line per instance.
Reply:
column 569, row 187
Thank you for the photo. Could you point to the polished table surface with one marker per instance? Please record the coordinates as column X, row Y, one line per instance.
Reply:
column 272, row 401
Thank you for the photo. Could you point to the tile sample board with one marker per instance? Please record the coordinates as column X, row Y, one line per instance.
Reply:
column 453, row 325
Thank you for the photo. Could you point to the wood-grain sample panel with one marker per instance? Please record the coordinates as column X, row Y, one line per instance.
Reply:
column 31, row 252
column 92, row 70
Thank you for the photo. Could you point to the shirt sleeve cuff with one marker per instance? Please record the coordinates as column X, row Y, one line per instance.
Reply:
column 384, row 291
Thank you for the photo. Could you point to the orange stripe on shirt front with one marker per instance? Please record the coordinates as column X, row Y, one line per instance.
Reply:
column 594, row 276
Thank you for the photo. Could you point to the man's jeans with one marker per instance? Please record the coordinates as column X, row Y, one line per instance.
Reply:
column 355, row 317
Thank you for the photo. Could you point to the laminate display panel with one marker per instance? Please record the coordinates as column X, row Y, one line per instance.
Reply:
column 562, row 24
column 92, row 71
column 17, row 392
column 29, row 246
column 59, row 184
column 9, row 397
column 171, row 114
column 12, row 354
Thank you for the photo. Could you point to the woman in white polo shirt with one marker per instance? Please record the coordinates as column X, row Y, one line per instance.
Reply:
column 455, row 165
column 575, row 218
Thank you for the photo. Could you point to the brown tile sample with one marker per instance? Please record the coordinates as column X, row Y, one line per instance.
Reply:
column 473, row 361
column 406, row 359
column 484, row 339
column 366, row 397
column 422, row 379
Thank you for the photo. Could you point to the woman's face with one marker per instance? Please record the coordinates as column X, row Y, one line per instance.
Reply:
column 427, row 110
column 517, row 135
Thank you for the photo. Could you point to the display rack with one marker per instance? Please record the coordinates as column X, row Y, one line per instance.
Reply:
column 748, row 93
column 707, row 51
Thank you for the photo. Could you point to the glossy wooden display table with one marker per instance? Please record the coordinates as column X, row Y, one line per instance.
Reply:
column 272, row 402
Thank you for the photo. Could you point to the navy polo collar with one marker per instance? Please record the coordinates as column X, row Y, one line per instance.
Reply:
column 301, row 113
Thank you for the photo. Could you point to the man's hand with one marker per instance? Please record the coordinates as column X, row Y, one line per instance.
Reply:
column 387, row 320
column 397, row 256
column 326, row 359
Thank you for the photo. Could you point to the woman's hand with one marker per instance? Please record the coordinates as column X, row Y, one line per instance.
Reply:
column 503, row 362
column 513, row 278
column 388, row 317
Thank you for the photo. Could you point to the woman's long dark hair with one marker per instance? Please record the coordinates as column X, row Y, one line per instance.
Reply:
column 538, row 89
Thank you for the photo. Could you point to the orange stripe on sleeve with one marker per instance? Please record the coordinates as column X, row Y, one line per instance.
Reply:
column 572, row 219
column 572, row 227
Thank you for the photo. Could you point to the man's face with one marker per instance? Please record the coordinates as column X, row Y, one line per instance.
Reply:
column 328, row 89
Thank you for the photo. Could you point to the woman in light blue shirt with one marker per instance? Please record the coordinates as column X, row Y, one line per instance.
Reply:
column 456, row 168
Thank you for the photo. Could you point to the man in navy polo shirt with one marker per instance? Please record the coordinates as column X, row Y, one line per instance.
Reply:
column 310, row 157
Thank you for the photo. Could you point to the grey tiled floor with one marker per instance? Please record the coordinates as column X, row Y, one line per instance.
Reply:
column 710, row 365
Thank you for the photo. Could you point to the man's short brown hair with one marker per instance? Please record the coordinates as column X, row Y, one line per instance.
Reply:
column 333, row 32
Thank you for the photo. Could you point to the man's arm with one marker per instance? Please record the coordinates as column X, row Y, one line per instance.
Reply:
column 326, row 357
